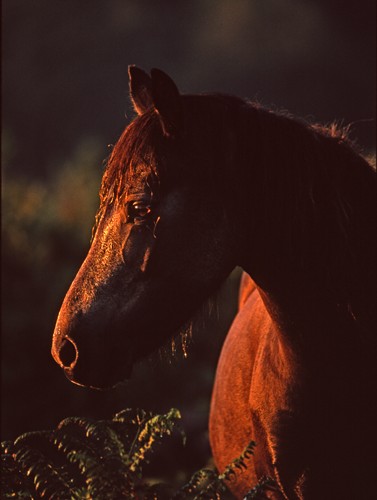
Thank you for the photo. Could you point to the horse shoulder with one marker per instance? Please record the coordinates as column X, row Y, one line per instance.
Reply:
column 247, row 287
column 231, row 427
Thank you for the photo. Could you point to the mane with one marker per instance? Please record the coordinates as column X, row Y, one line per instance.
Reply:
column 135, row 151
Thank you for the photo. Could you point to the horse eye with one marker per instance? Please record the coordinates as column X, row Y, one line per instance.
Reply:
column 139, row 210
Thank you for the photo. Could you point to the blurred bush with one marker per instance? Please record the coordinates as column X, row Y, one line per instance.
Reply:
column 46, row 229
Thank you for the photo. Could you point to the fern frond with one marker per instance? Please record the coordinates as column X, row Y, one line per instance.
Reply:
column 207, row 484
column 239, row 463
column 154, row 429
column 49, row 479
column 197, row 481
column 259, row 491
column 98, row 454
column 13, row 482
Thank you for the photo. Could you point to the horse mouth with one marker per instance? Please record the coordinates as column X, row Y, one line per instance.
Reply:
column 99, row 380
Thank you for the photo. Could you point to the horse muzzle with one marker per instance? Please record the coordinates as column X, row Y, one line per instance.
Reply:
column 97, row 370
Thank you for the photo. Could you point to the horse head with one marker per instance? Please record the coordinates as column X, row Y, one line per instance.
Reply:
column 163, row 242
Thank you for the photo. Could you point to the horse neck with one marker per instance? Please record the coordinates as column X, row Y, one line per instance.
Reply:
column 309, row 241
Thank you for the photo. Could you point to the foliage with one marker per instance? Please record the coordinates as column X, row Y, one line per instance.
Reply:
column 84, row 458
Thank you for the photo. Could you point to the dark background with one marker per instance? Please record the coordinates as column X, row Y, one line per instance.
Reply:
column 64, row 98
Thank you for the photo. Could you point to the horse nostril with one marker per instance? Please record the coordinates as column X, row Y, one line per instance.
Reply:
column 67, row 353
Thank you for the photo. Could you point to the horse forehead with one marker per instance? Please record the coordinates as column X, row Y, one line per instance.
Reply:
column 142, row 175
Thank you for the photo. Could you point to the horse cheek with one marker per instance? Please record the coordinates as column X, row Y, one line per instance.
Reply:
column 137, row 249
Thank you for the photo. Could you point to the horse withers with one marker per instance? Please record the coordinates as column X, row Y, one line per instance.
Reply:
column 196, row 185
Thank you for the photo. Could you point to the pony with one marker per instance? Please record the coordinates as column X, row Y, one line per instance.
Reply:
column 199, row 184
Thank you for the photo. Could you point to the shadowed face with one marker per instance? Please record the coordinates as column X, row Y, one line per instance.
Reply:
column 160, row 249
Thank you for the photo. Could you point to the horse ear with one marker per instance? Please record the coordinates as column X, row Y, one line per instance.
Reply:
column 140, row 89
column 167, row 102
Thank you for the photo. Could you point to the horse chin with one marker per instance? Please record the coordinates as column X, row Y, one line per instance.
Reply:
column 114, row 370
